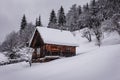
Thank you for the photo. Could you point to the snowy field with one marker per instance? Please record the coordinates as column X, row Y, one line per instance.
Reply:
column 90, row 63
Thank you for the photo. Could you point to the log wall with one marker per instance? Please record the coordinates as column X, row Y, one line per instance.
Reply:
column 54, row 50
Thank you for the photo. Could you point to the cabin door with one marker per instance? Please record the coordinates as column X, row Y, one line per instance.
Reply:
column 38, row 52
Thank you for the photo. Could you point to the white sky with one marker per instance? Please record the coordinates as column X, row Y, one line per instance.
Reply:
column 11, row 12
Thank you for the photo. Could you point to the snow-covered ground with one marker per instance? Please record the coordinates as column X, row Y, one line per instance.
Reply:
column 3, row 58
column 90, row 63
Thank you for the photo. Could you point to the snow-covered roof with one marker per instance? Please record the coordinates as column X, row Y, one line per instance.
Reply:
column 55, row 36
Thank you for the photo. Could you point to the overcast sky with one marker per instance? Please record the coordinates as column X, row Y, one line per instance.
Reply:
column 11, row 12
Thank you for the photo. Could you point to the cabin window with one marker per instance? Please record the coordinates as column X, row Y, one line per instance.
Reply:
column 38, row 50
column 55, row 48
column 67, row 49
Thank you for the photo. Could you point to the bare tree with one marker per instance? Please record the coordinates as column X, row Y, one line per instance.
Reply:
column 87, row 34
column 10, row 44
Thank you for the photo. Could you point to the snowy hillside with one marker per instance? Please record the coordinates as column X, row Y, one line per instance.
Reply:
column 90, row 63
column 84, row 46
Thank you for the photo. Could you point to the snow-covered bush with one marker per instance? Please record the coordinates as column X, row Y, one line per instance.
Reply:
column 87, row 34
column 3, row 59
column 25, row 53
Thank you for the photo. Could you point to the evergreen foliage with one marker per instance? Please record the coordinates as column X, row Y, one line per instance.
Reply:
column 72, row 17
column 52, row 20
column 61, row 18
column 38, row 21
column 23, row 23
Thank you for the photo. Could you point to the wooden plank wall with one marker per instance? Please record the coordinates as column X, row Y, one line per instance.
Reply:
column 60, row 49
column 50, row 49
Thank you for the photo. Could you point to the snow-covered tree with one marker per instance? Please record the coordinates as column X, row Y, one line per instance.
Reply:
column 79, row 9
column 52, row 20
column 10, row 44
column 38, row 21
column 86, row 8
column 26, row 34
column 116, row 22
column 84, row 18
column 72, row 17
column 112, row 24
column 61, row 18
column 87, row 34
column 95, row 21
column 108, row 8
column 23, row 22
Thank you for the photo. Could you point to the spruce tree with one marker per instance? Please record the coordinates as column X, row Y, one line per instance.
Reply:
column 79, row 10
column 86, row 8
column 52, row 20
column 85, row 18
column 23, row 23
column 61, row 18
column 72, row 17
column 94, row 8
column 38, row 21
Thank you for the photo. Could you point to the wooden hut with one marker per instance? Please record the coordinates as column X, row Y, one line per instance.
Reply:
column 52, row 42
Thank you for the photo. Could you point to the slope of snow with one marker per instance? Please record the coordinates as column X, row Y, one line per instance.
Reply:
column 109, row 38
column 91, row 63
column 84, row 45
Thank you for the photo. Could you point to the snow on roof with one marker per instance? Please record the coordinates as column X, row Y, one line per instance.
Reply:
column 55, row 36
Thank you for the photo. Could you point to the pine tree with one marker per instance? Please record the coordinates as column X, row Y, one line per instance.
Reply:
column 38, row 21
column 52, row 20
column 61, row 18
column 94, row 8
column 79, row 10
column 23, row 23
column 84, row 18
column 108, row 8
column 72, row 17
column 86, row 8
